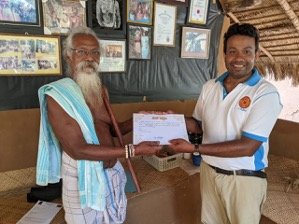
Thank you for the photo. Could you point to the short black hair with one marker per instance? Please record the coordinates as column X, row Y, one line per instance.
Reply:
column 245, row 29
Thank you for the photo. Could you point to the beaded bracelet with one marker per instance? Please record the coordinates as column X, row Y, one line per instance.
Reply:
column 130, row 151
column 127, row 151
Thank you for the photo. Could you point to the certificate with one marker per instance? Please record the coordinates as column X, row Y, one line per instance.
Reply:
column 153, row 127
column 198, row 12
column 164, row 25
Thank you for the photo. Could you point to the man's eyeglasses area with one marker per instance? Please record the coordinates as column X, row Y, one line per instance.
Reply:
column 84, row 52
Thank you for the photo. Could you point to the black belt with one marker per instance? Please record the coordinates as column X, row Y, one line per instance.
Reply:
column 252, row 173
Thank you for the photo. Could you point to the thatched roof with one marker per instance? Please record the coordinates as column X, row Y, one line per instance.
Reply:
column 278, row 23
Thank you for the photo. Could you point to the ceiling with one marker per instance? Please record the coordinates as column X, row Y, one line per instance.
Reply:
column 278, row 24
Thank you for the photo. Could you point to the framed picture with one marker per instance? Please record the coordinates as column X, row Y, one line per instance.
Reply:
column 61, row 16
column 107, row 17
column 198, row 12
column 29, row 55
column 140, row 38
column 195, row 43
column 24, row 12
column 140, row 11
column 164, row 25
column 175, row 2
column 113, row 56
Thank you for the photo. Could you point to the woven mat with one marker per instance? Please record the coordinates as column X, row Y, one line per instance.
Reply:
column 14, row 179
column 281, row 206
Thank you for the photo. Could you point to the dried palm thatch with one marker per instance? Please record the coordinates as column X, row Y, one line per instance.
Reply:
column 278, row 23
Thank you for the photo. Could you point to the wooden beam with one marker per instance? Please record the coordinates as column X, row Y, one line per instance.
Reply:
column 235, row 19
column 290, row 13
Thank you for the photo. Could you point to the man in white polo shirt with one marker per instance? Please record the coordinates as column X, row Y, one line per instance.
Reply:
column 236, row 113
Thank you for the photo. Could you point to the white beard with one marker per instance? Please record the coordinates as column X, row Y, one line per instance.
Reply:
column 90, row 83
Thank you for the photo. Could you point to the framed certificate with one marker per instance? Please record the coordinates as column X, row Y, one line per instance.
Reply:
column 113, row 56
column 164, row 25
column 198, row 12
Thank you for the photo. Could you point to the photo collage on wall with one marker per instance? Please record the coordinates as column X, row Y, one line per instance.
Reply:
column 128, row 29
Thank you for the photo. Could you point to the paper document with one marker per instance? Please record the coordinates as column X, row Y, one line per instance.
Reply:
column 152, row 127
column 41, row 213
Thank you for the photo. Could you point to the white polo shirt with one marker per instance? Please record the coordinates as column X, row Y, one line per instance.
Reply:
column 250, row 109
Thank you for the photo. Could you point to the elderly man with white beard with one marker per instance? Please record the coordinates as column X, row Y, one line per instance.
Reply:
column 76, row 138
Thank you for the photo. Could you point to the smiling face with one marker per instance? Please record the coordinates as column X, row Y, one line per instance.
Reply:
column 240, row 56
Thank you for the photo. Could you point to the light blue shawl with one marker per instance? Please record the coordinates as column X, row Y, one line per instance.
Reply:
column 92, row 178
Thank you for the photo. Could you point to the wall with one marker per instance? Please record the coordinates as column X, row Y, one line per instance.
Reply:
column 284, row 139
column 18, row 138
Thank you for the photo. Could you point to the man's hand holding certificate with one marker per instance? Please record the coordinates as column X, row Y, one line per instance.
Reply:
column 154, row 127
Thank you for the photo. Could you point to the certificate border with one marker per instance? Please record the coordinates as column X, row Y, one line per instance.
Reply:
column 192, row 20
column 156, row 30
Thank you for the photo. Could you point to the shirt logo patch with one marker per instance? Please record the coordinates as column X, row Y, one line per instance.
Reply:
column 245, row 102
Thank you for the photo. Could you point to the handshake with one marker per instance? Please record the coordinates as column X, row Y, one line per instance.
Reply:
column 167, row 133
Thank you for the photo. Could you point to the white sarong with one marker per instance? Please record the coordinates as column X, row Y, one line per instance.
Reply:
column 74, row 214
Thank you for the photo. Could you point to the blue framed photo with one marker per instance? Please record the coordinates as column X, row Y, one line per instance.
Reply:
column 20, row 12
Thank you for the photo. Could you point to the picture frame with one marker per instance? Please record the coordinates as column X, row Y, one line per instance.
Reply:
column 175, row 2
column 28, row 55
column 140, row 11
column 139, row 42
column 60, row 16
column 25, row 13
column 164, row 25
column 198, row 12
column 113, row 55
column 195, row 43
column 108, row 21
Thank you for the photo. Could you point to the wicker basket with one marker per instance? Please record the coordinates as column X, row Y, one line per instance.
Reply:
column 165, row 163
